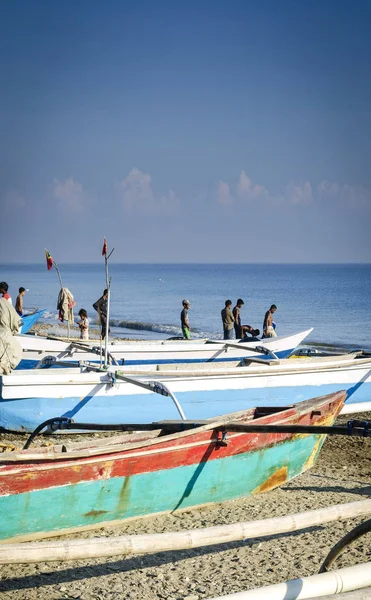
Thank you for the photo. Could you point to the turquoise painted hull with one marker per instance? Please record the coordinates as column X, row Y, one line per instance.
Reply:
column 72, row 507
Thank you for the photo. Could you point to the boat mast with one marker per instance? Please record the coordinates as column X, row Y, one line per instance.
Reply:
column 108, row 286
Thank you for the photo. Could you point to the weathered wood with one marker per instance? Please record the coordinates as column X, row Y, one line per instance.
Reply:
column 194, row 538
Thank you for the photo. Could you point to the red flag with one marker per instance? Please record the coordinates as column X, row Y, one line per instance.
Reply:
column 49, row 260
column 104, row 251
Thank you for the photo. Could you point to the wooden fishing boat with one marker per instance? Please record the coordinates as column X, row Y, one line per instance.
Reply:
column 29, row 320
column 60, row 489
column 94, row 395
column 153, row 352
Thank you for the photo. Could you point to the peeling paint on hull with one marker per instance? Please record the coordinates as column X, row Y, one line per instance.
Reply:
column 85, row 503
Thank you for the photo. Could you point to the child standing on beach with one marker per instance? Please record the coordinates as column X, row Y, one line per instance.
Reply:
column 83, row 324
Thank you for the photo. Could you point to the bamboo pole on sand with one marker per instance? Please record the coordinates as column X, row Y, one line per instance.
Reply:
column 308, row 588
column 364, row 594
column 148, row 544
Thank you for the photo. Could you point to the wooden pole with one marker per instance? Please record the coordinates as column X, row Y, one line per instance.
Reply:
column 108, row 287
column 182, row 540
column 59, row 275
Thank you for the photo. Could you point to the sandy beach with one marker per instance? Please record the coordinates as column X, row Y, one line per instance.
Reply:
column 342, row 474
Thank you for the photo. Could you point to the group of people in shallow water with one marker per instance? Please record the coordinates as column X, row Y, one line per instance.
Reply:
column 231, row 319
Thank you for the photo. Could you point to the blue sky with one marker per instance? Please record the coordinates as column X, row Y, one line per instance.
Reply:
column 207, row 131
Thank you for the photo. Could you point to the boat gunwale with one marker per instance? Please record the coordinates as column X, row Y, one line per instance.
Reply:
column 63, row 376
column 288, row 412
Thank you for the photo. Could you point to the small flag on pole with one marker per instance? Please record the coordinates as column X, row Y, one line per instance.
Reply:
column 104, row 250
column 49, row 260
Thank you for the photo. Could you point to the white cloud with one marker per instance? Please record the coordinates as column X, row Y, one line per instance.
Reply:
column 138, row 195
column 137, row 191
column 70, row 195
column 225, row 197
column 299, row 193
column 247, row 189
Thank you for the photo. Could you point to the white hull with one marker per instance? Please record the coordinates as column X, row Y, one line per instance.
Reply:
column 30, row 397
column 156, row 352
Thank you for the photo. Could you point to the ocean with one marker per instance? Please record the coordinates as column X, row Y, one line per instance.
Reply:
column 147, row 298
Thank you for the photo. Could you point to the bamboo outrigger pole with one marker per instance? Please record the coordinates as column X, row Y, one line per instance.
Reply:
column 133, row 545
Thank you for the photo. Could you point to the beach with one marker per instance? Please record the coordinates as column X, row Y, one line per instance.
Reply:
column 341, row 474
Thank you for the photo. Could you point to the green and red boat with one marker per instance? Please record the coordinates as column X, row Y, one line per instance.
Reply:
column 71, row 487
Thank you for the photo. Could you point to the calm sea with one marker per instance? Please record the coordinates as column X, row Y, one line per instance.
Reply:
column 147, row 299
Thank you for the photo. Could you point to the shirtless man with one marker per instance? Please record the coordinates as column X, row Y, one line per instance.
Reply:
column 268, row 329
column 241, row 330
column 19, row 301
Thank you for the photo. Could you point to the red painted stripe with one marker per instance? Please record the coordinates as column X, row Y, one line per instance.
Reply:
column 165, row 455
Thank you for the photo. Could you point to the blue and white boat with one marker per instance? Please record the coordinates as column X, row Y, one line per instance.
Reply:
column 122, row 394
column 156, row 352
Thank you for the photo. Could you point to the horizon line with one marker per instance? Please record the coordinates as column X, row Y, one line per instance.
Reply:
column 19, row 263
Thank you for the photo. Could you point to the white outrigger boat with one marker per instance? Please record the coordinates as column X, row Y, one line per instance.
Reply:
column 91, row 394
column 36, row 348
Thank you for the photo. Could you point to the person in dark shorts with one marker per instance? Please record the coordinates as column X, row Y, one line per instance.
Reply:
column 19, row 301
column 242, row 330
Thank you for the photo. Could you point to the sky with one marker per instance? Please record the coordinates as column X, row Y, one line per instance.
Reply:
column 199, row 131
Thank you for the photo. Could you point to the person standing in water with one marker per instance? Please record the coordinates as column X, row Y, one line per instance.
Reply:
column 228, row 320
column 268, row 327
column 242, row 330
column 184, row 320
column 237, row 318
column 19, row 301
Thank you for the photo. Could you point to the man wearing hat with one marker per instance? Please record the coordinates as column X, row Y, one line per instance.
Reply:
column 184, row 320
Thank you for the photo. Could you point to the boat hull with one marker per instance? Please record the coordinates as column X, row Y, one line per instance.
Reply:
column 61, row 494
column 30, row 397
column 158, row 352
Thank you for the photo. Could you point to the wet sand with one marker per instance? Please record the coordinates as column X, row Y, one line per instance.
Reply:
column 341, row 474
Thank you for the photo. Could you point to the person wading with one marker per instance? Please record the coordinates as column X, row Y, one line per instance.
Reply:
column 184, row 320
column 268, row 327
column 228, row 320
